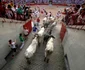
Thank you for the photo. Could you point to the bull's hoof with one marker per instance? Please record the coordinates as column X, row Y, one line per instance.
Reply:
column 44, row 59
column 47, row 60
column 29, row 62
column 39, row 44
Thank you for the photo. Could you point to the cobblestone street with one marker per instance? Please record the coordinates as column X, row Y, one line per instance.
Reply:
column 56, row 61
column 37, row 62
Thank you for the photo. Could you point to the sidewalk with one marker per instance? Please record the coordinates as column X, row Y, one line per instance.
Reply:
column 74, row 48
column 7, row 31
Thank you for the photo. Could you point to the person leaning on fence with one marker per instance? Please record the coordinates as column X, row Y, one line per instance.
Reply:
column 12, row 44
column 26, row 32
column 19, row 12
column 21, row 40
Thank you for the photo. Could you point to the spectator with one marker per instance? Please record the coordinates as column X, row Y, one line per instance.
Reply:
column 37, row 21
column 49, row 14
column 34, row 29
column 26, row 32
column 2, row 10
column 12, row 44
column 81, row 17
column 37, row 13
column 9, row 12
column 38, row 24
column 58, row 15
column 45, row 12
column 11, row 4
column 26, row 13
column 21, row 40
column 29, row 12
column 14, row 9
column 74, row 17
column 19, row 12
column 33, row 15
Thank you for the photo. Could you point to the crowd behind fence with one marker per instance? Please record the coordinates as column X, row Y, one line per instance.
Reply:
column 47, row 1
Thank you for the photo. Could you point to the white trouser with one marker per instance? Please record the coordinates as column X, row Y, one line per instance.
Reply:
column 22, row 45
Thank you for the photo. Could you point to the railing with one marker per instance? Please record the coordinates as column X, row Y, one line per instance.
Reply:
column 10, row 21
column 3, row 21
column 63, row 31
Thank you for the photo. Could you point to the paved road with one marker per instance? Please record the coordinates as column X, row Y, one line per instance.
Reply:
column 56, row 61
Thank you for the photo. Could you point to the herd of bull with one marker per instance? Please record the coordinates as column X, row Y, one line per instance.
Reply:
column 43, row 35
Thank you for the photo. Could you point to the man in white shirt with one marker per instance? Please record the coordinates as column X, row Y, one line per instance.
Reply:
column 26, row 32
column 12, row 44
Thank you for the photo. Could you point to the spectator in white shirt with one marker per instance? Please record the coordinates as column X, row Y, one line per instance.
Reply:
column 12, row 44
column 26, row 32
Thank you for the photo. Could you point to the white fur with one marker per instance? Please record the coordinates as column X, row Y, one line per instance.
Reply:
column 41, row 32
column 48, row 20
column 49, row 46
column 32, row 48
column 54, row 23
column 52, row 18
column 45, row 20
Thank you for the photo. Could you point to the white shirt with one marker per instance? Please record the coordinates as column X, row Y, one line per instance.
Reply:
column 13, row 45
column 79, row 10
column 14, row 9
column 33, row 15
column 49, row 14
column 26, row 31
column 32, row 23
